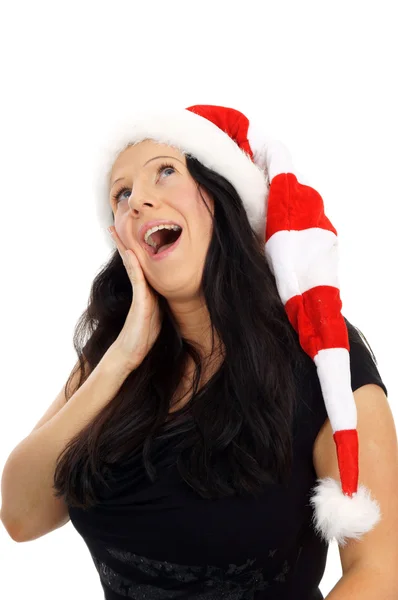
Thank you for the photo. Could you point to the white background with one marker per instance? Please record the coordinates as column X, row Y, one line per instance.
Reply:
column 322, row 76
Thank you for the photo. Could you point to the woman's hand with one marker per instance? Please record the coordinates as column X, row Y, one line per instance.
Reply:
column 143, row 321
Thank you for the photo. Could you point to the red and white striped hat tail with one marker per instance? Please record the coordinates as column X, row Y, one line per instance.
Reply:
column 302, row 250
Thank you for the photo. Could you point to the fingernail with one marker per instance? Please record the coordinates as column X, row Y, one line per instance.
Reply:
column 110, row 230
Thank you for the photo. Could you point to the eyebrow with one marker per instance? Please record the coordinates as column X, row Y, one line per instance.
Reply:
column 148, row 161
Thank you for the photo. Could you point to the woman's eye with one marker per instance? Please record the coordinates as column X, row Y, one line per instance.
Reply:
column 165, row 168
column 120, row 193
column 118, row 196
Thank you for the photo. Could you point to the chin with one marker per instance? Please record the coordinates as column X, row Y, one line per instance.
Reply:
column 174, row 280
column 179, row 292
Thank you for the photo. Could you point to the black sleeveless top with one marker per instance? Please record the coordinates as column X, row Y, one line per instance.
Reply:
column 152, row 541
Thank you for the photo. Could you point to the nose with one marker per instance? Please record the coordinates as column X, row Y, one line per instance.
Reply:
column 136, row 206
column 141, row 198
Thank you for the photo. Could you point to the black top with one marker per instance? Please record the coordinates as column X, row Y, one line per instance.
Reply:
column 161, row 540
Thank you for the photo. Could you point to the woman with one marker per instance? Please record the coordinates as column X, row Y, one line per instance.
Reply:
column 196, row 479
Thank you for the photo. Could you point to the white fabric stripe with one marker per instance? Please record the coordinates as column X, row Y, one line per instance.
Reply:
column 301, row 260
column 333, row 368
column 271, row 155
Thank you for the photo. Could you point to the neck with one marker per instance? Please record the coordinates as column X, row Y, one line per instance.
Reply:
column 193, row 320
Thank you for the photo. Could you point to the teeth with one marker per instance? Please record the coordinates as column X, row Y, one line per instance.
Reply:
column 148, row 234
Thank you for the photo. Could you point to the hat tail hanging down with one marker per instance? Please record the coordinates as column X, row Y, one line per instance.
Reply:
column 301, row 248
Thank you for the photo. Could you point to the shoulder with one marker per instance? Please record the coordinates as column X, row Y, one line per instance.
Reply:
column 363, row 363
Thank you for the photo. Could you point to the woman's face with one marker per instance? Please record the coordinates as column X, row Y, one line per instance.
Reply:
column 141, row 192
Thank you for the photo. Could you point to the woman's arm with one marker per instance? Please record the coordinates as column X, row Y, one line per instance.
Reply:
column 373, row 558
column 363, row 583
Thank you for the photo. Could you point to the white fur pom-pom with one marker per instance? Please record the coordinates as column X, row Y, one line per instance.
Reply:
column 339, row 516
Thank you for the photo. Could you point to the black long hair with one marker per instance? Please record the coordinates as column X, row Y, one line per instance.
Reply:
column 238, row 426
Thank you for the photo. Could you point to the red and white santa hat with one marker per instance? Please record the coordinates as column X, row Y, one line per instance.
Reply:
column 301, row 247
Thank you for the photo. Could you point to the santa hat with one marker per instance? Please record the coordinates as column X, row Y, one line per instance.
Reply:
column 301, row 247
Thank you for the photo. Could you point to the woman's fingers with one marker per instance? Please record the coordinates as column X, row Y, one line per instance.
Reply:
column 129, row 258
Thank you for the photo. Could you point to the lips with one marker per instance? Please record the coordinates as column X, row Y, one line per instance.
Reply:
column 160, row 255
column 145, row 226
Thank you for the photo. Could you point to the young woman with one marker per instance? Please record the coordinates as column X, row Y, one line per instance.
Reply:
column 216, row 377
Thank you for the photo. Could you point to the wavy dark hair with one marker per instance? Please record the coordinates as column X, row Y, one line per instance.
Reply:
column 237, row 428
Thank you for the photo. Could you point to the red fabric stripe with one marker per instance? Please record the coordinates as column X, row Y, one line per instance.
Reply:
column 294, row 206
column 347, row 451
column 316, row 316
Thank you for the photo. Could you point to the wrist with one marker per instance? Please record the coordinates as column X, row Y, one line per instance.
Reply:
column 116, row 359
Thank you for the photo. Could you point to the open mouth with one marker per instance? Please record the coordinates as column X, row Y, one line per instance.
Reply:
column 162, row 238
